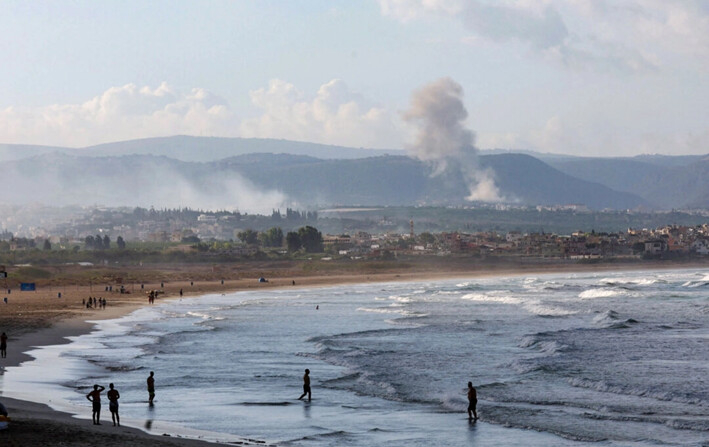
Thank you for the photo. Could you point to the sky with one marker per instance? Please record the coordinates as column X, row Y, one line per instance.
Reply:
column 579, row 77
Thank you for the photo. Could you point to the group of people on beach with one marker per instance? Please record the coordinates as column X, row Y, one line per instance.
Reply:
column 94, row 303
column 95, row 398
column 113, row 395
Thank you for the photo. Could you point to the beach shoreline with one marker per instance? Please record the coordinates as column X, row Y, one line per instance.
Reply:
column 45, row 320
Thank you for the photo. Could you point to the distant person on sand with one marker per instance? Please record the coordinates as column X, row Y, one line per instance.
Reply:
column 95, row 398
column 151, row 387
column 3, row 345
column 113, row 397
column 472, row 402
column 306, row 385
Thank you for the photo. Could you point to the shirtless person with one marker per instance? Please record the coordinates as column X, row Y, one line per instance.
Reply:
column 95, row 398
column 306, row 385
column 151, row 388
column 472, row 402
column 3, row 345
column 113, row 397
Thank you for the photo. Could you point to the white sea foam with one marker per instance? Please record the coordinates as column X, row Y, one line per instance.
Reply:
column 491, row 298
column 599, row 293
column 548, row 311
column 380, row 310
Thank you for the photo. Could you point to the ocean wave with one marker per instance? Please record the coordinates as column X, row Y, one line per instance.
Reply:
column 491, row 298
column 469, row 285
column 380, row 310
column 204, row 316
column 631, row 281
column 454, row 402
column 695, row 284
column 600, row 293
column 548, row 311
column 319, row 436
column 628, row 390
column 611, row 319
column 545, row 346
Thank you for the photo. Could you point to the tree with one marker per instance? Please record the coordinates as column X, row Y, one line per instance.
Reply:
column 249, row 237
column 47, row 245
column 120, row 242
column 426, row 238
column 273, row 237
column 311, row 239
column 89, row 242
column 106, row 242
column 293, row 241
column 98, row 242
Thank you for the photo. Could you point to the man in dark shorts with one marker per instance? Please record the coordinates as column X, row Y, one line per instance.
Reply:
column 3, row 345
column 306, row 385
column 472, row 402
column 113, row 397
column 151, row 388
column 95, row 398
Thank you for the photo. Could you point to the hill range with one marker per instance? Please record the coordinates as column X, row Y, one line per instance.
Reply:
column 223, row 172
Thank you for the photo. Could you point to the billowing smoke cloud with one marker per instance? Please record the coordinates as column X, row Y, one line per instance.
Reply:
column 442, row 139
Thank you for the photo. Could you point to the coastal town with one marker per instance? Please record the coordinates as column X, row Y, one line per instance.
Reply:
column 232, row 235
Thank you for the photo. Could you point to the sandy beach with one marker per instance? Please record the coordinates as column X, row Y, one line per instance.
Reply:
column 41, row 318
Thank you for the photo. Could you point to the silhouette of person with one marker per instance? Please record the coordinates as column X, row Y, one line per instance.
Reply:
column 151, row 387
column 472, row 402
column 95, row 398
column 3, row 345
column 306, row 385
column 113, row 397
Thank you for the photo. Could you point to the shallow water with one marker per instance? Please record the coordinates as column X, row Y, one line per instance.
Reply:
column 616, row 358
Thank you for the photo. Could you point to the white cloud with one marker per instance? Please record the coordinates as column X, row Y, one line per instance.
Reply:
column 119, row 113
column 634, row 35
column 413, row 9
column 334, row 115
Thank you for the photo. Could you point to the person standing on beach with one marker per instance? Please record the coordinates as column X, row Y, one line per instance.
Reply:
column 151, row 388
column 306, row 385
column 3, row 345
column 95, row 398
column 472, row 402
column 113, row 397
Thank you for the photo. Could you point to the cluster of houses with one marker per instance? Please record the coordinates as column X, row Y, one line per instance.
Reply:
column 578, row 245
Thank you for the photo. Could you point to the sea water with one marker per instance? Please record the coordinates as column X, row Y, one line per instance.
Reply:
column 613, row 359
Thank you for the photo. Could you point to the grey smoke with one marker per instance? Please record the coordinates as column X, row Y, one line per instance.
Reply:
column 438, row 113
column 145, row 181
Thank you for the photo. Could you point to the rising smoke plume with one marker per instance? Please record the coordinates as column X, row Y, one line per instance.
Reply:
column 438, row 113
